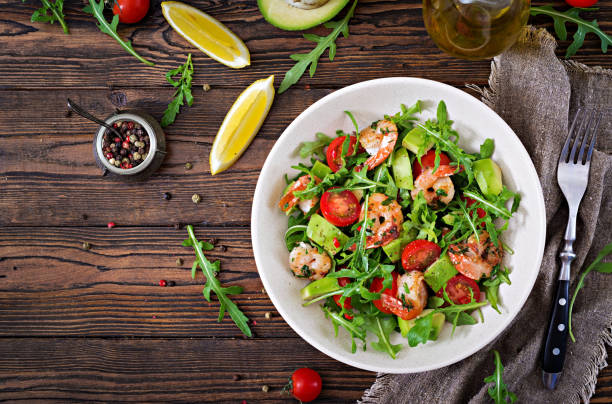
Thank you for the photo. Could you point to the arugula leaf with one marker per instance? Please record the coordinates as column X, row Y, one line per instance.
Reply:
column 383, row 326
column 315, row 147
column 492, row 286
column 323, row 43
column 421, row 332
column 57, row 13
column 212, row 284
column 183, row 91
column 97, row 10
column 596, row 265
column 499, row 393
column 353, row 327
column 560, row 18
column 486, row 148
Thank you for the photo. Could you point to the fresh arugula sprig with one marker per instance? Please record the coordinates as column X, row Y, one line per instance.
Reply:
column 97, row 10
column 560, row 18
column 312, row 58
column 499, row 393
column 210, row 270
column 51, row 11
column 491, row 285
column 596, row 265
column 315, row 147
column 182, row 93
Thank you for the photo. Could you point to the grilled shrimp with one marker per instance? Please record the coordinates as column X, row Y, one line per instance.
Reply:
column 436, row 186
column 379, row 142
column 475, row 259
column 387, row 220
column 412, row 292
column 307, row 262
column 288, row 201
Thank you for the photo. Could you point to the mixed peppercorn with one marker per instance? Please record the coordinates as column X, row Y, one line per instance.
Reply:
column 130, row 149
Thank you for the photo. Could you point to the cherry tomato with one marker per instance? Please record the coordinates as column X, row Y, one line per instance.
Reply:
column 458, row 290
column 347, row 302
column 480, row 211
column 131, row 11
column 334, row 152
column 305, row 384
column 395, row 306
column 377, row 285
column 420, row 254
column 340, row 208
column 427, row 161
column 581, row 3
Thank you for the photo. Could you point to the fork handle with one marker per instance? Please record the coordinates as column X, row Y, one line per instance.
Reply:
column 556, row 340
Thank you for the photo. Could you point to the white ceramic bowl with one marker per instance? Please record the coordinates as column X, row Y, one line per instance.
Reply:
column 369, row 101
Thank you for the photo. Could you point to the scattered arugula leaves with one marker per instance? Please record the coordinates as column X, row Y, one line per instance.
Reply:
column 596, row 265
column 312, row 58
column 97, row 10
column 182, row 93
column 499, row 393
column 51, row 11
column 560, row 18
column 210, row 270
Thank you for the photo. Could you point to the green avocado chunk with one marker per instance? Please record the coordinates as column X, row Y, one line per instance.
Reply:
column 439, row 273
column 394, row 249
column 319, row 287
column 415, row 140
column 323, row 233
column 285, row 16
column 488, row 176
column 449, row 219
column 437, row 321
column 402, row 169
column 320, row 170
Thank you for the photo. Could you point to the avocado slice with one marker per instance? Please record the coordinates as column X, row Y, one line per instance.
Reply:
column 319, row 287
column 439, row 272
column 437, row 321
column 323, row 233
column 449, row 219
column 394, row 249
column 284, row 16
column 320, row 170
column 415, row 139
column 402, row 169
column 488, row 176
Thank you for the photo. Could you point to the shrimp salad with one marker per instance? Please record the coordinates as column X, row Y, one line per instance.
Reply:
column 398, row 228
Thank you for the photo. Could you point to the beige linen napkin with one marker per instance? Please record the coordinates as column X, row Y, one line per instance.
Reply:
column 535, row 94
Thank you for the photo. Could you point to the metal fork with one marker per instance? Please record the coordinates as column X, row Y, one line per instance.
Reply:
column 573, row 177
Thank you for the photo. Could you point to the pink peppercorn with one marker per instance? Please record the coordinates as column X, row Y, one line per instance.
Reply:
column 110, row 225
column 163, row 283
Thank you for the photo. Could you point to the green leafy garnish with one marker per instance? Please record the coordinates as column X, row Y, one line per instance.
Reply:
column 499, row 393
column 51, row 11
column 486, row 148
column 492, row 284
column 210, row 270
column 315, row 147
column 312, row 58
column 97, row 10
column 182, row 93
column 596, row 265
column 560, row 18
column 382, row 327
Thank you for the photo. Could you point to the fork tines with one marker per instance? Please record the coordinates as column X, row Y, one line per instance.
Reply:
column 582, row 132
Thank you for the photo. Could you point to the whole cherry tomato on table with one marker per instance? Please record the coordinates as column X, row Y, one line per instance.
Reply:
column 131, row 11
column 581, row 3
column 305, row 385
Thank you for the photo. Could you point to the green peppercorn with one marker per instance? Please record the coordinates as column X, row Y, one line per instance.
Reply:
column 206, row 87
column 179, row 262
column 86, row 246
column 188, row 166
column 196, row 198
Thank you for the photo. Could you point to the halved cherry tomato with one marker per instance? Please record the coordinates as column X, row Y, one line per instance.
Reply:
column 458, row 290
column 347, row 302
column 581, row 3
column 395, row 306
column 340, row 208
column 131, row 11
column 334, row 152
column 480, row 211
column 427, row 161
column 377, row 285
column 419, row 254
column 305, row 384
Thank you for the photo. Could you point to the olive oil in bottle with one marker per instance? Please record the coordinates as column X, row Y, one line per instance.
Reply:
column 475, row 29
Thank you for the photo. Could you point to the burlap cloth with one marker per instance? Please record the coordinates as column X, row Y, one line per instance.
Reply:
column 535, row 93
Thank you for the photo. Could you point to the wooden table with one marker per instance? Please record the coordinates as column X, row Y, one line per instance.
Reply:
column 93, row 325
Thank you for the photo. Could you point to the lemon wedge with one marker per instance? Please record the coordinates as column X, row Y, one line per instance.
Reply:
column 241, row 124
column 207, row 34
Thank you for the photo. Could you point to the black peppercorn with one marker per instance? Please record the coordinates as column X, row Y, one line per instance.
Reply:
column 167, row 196
column 223, row 248
column 171, row 283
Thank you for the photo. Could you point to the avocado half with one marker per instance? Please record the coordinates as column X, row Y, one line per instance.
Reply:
column 284, row 16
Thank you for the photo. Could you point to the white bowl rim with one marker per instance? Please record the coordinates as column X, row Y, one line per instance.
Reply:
column 341, row 357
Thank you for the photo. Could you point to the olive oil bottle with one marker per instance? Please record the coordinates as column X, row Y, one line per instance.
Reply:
column 475, row 29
